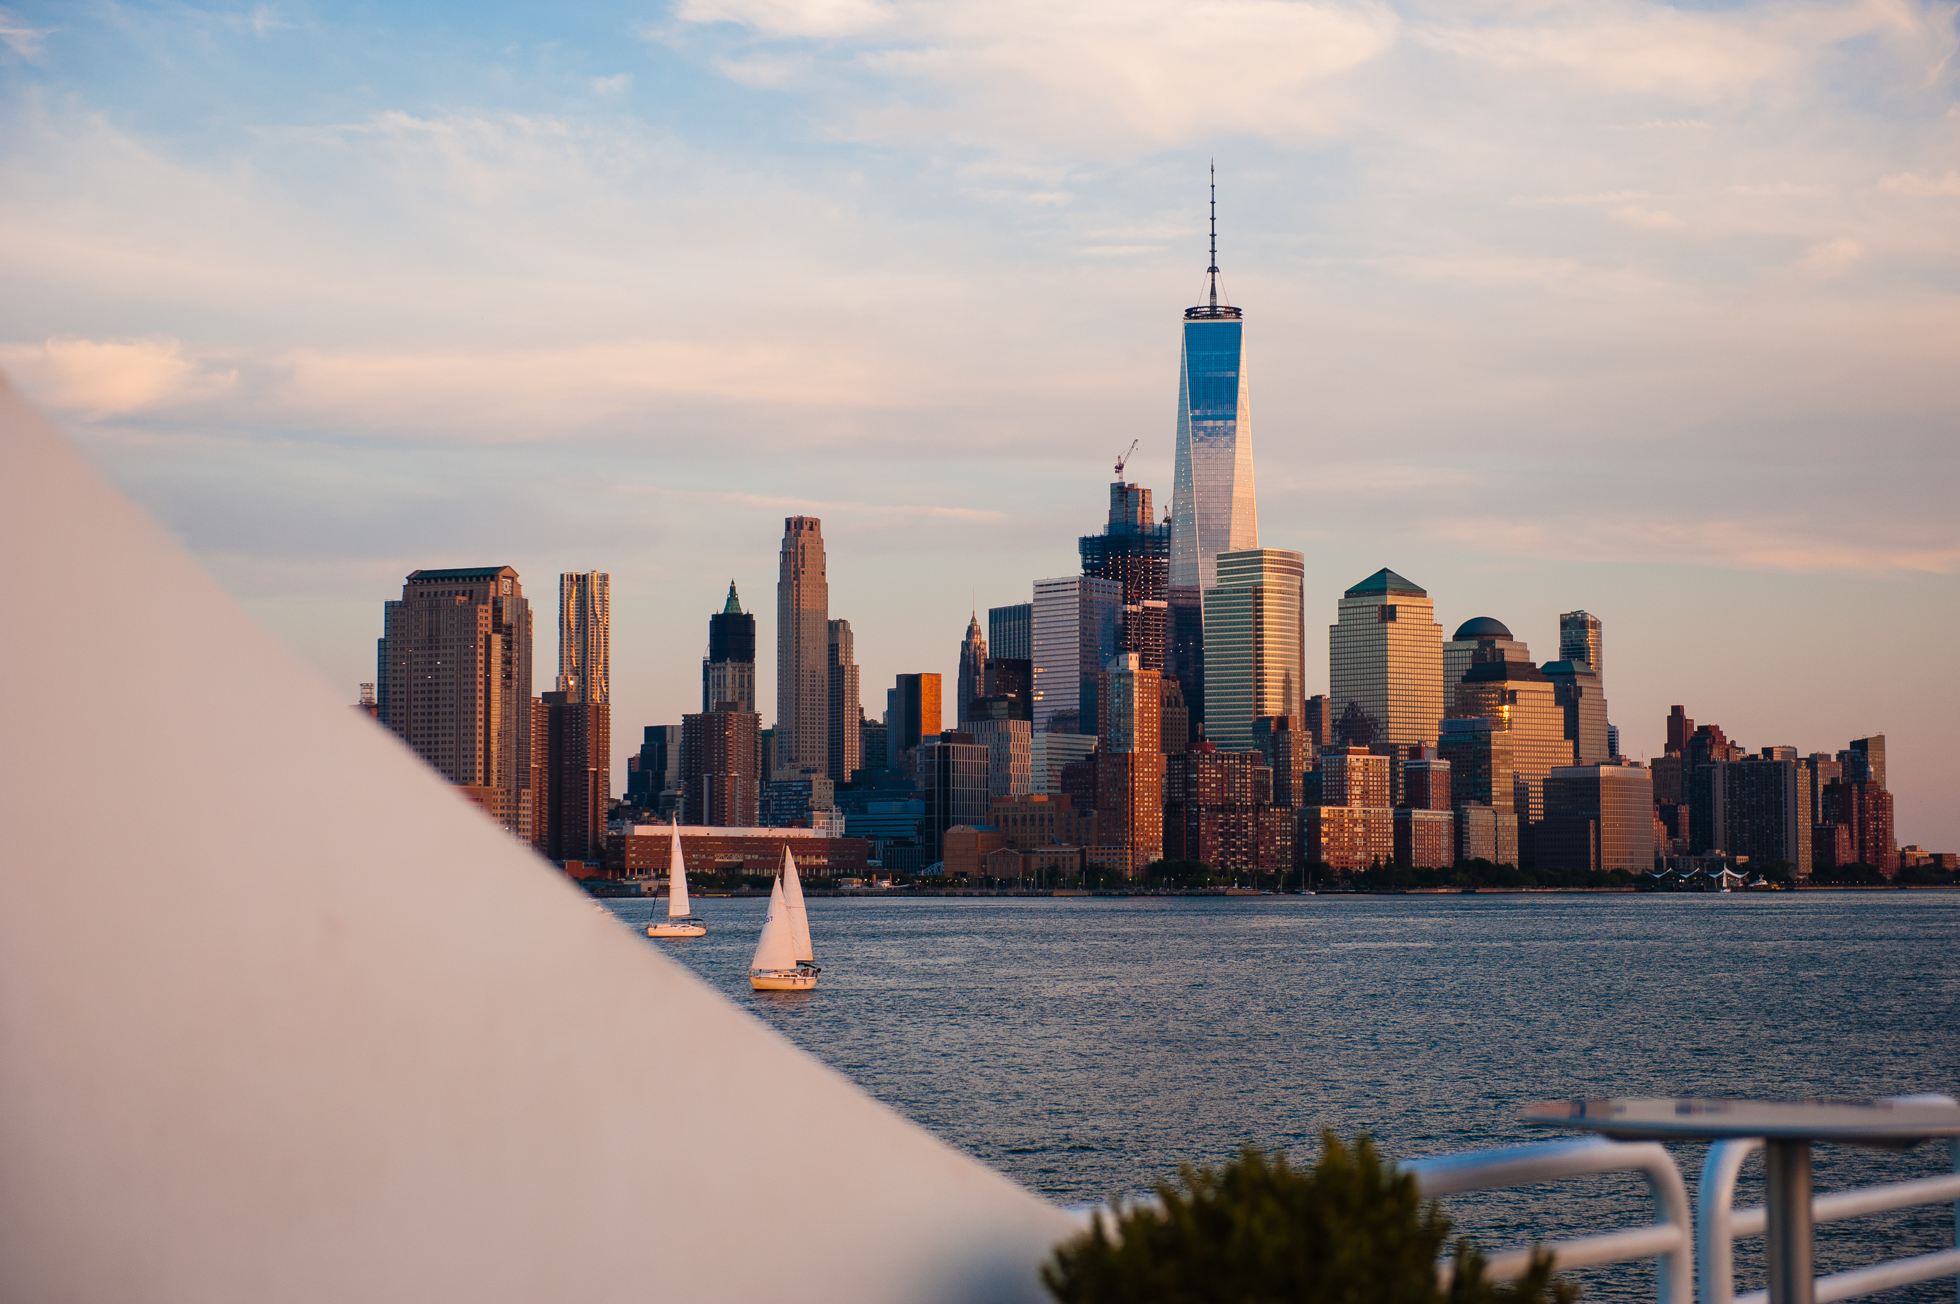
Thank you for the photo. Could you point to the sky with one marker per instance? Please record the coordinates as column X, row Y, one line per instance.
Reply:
column 1648, row 309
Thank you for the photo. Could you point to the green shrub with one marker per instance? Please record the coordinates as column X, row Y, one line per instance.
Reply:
column 1352, row 1230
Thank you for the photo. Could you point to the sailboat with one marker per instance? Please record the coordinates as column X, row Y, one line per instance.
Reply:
column 784, row 960
column 679, row 922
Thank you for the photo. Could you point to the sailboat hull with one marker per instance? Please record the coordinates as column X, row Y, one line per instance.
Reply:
column 800, row 979
column 676, row 928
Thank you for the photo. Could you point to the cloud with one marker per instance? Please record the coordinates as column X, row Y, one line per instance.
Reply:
column 1652, row 219
column 1911, row 183
column 617, row 84
column 94, row 379
column 1831, row 258
column 27, row 42
column 793, row 18
column 1734, row 543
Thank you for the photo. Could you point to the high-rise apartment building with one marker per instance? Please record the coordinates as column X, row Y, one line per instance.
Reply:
column 728, row 671
column 585, row 636
column 1218, row 810
column 1481, row 637
column 802, row 651
column 1073, row 631
column 971, row 683
column 912, row 715
column 1354, row 776
column 1580, row 639
column 1766, row 812
column 454, row 674
column 1426, row 780
column 1869, row 754
column 1130, row 760
column 1134, row 550
column 1575, row 687
column 570, row 790
column 1519, row 699
column 846, row 707
column 1174, row 717
column 1290, row 751
column 1385, row 662
column 1254, row 635
column 1009, row 740
column 1010, row 631
column 658, row 769
column 720, row 753
column 1865, row 808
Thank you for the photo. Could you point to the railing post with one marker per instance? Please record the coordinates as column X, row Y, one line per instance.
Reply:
column 1714, row 1229
column 1786, row 1188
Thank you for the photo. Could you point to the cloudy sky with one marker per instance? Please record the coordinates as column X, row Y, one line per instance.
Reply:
column 1648, row 309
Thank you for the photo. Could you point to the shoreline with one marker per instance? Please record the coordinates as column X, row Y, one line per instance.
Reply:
column 878, row 893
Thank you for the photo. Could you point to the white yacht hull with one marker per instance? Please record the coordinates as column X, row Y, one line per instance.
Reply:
column 676, row 928
column 800, row 979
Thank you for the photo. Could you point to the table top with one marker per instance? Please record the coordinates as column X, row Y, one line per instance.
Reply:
column 1885, row 1121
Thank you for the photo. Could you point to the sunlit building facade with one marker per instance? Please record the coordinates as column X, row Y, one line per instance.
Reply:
column 1481, row 634
column 1253, row 635
column 802, row 651
column 1521, row 701
column 1385, row 663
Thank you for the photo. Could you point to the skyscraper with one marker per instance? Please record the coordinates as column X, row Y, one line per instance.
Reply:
column 846, row 708
column 720, row 751
column 455, row 682
column 1074, row 635
column 802, row 650
column 972, row 682
column 1385, row 661
column 1130, row 760
column 584, row 636
column 728, row 671
column 1580, row 639
column 1254, row 628
column 1212, row 505
column 1577, row 690
column 912, row 714
column 1481, row 634
column 1009, row 632
column 1135, row 551
column 1521, row 701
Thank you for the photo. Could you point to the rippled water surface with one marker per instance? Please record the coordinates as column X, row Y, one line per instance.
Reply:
column 1088, row 1046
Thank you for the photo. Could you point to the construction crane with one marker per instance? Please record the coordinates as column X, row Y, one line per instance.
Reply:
column 1125, row 458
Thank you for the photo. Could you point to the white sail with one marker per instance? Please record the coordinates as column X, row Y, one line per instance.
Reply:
column 775, row 949
column 799, row 921
column 676, row 878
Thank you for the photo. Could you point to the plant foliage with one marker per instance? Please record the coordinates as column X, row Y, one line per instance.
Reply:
column 1351, row 1230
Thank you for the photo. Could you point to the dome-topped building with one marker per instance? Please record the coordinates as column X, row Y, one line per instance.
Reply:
column 1485, row 634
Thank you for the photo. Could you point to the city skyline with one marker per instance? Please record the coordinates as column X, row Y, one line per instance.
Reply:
column 1616, row 371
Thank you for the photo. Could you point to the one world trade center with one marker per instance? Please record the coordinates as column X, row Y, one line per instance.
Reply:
column 1212, row 505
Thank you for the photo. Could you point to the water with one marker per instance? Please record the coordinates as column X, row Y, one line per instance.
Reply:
column 1088, row 1046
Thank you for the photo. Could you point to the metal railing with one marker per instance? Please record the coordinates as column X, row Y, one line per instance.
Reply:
column 1670, row 1239
column 1718, row 1225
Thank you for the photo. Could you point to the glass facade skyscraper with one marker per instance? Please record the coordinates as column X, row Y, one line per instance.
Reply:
column 1385, row 658
column 1253, row 637
column 1212, row 505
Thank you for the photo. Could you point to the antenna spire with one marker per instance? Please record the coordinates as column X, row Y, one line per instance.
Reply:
column 1212, row 271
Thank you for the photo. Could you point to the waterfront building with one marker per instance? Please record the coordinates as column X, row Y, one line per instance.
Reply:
column 1576, row 689
column 846, row 708
column 655, row 772
column 970, row 683
column 454, row 679
column 585, row 636
column 728, row 671
column 952, row 778
column 571, row 788
column 1354, row 776
column 1486, row 832
column 1832, row 846
column 1130, row 761
column 1597, row 816
column 967, row 848
column 1865, row 808
column 1424, row 839
column 1481, row 635
column 1347, row 838
column 1043, row 820
column 641, row 851
column 1010, row 631
column 1580, row 639
column 1426, row 780
column 1050, row 753
column 1757, row 806
column 1385, row 662
column 1134, row 550
column 1218, row 810
column 721, row 779
column 1073, row 632
column 912, row 714
column 1289, row 751
column 789, row 802
column 1522, row 701
column 802, row 649
column 1254, row 635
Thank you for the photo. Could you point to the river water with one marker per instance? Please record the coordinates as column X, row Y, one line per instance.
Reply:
column 1088, row 1046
